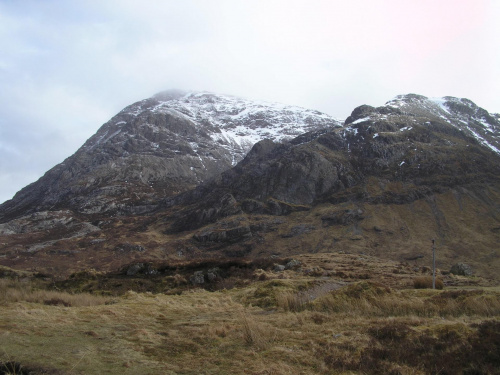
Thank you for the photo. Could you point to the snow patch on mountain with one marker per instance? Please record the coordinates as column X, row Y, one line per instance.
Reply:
column 235, row 123
column 404, row 110
column 361, row 120
column 245, row 118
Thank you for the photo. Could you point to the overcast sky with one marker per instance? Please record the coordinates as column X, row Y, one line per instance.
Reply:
column 66, row 67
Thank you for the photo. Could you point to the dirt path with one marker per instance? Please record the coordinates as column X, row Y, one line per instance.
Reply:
column 321, row 289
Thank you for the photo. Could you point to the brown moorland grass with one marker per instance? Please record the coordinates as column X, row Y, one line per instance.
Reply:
column 16, row 291
column 267, row 327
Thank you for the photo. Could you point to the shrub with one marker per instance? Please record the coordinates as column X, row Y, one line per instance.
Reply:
column 263, row 277
column 55, row 301
column 366, row 289
column 179, row 280
column 390, row 332
column 425, row 282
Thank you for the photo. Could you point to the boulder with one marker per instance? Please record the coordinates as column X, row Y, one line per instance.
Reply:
column 293, row 264
column 279, row 268
column 134, row 269
column 461, row 269
column 197, row 278
column 213, row 273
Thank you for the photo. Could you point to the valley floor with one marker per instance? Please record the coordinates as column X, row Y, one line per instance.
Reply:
column 278, row 323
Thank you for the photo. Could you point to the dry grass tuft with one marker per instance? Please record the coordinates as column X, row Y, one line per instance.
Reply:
column 276, row 293
column 290, row 301
column 257, row 334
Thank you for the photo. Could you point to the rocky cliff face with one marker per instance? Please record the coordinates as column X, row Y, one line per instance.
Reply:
column 423, row 146
column 159, row 147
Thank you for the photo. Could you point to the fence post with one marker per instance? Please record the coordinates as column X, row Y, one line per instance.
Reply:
column 433, row 264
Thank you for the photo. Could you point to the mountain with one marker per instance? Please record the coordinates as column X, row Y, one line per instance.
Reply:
column 384, row 184
column 160, row 147
column 424, row 145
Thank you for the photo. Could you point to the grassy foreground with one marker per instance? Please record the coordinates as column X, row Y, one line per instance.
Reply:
column 283, row 323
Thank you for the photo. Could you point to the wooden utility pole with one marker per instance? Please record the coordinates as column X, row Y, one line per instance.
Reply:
column 433, row 264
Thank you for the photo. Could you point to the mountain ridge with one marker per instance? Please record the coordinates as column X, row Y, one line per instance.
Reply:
column 462, row 113
column 403, row 152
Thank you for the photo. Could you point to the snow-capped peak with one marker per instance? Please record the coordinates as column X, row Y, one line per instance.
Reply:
column 235, row 123
column 461, row 113
column 262, row 119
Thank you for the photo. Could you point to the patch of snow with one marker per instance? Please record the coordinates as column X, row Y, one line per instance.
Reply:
column 360, row 120
column 351, row 130
column 405, row 128
column 484, row 141
column 441, row 103
column 236, row 124
column 154, row 128
column 135, row 111
column 239, row 123
column 194, row 146
column 395, row 103
column 102, row 139
column 112, row 135
column 487, row 126
column 375, row 135
column 241, row 114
